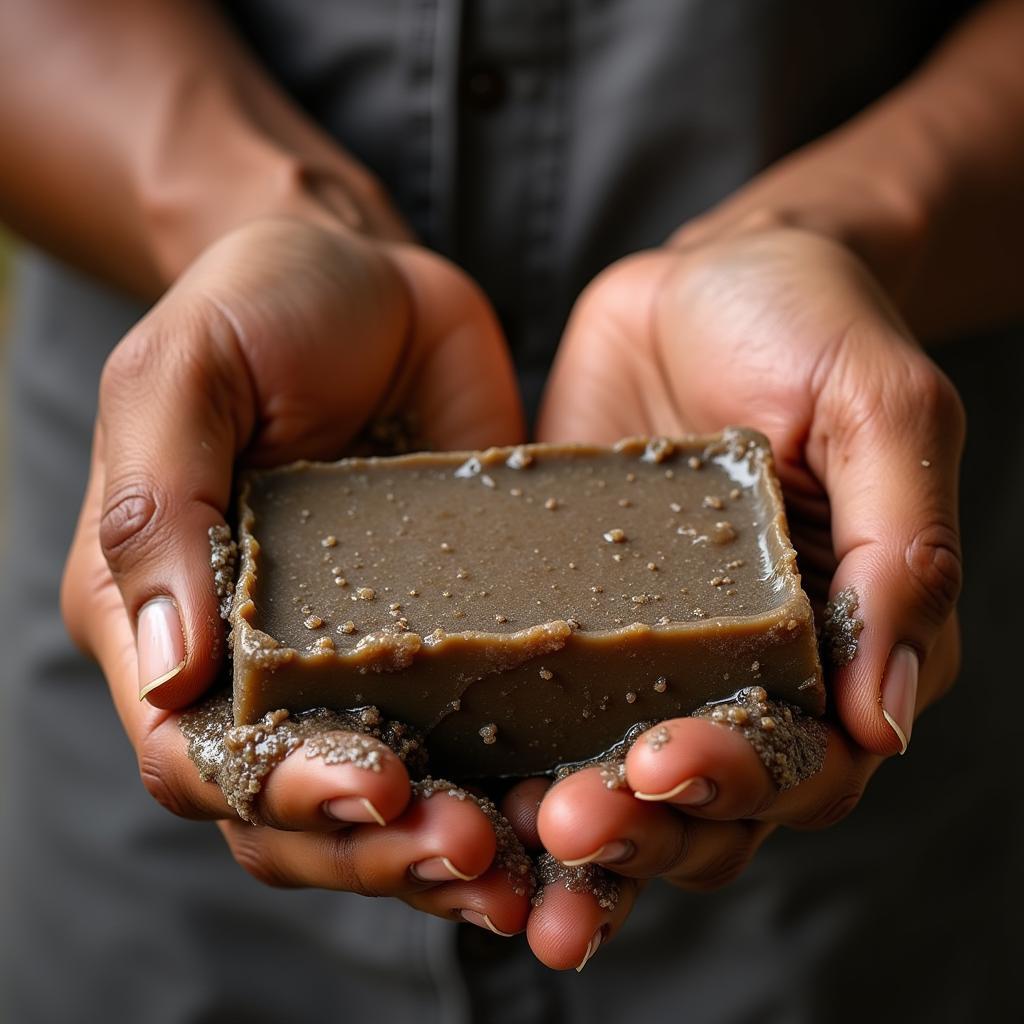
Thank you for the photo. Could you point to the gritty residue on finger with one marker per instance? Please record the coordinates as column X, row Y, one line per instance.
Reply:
column 610, row 761
column 224, row 563
column 789, row 742
column 240, row 757
column 510, row 854
column 658, row 738
column 841, row 628
column 592, row 878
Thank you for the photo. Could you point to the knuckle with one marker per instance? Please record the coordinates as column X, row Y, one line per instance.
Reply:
column 932, row 392
column 338, row 849
column 721, row 871
column 129, row 360
column 935, row 566
column 155, row 777
column 127, row 523
column 674, row 853
column 828, row 813
column 249, row 851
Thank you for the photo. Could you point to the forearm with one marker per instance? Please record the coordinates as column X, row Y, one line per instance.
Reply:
column 138, row 131
column 927, row 185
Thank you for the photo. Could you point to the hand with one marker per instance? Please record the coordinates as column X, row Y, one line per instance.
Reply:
column 280, row 342
column 785, row 331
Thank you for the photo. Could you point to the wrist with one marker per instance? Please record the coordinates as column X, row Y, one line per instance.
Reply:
column 873, row 186
column 209, row 166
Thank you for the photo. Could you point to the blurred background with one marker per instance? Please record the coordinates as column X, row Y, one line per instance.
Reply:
column 6, row 249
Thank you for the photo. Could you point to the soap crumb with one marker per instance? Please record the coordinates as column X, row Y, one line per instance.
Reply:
column 224, row 563
column 658, row 738
column 519, row 458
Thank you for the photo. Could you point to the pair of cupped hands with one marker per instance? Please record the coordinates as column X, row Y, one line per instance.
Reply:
column 285, row 338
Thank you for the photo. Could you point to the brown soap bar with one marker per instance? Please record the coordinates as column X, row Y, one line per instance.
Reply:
column 523, row 607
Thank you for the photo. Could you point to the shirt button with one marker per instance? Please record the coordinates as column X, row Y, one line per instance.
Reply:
column 483, row 88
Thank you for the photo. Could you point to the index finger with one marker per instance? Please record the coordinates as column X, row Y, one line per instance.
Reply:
column 886, row 440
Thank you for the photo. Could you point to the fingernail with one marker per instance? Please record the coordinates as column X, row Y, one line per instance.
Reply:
column 611, row 853
column 355, row 809
column 483, row 921
column 438, row 869
column 899, row 692
column 689, row 793
column 160, row 643
column 592, row 947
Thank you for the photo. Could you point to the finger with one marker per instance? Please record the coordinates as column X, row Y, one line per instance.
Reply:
column 886, row 441
column 520, row 807
column 181, row 395
column 716, row 853
column 434, row 841
column 581, row 821
column 827, row 798
column 488, row 902
column 457, row 380
column 95, row 615
column 568, row 928
column 369, row 786
column 653, row 839
column 699, row 751
column 588, row 397
column 174, row 409
column 693, row 763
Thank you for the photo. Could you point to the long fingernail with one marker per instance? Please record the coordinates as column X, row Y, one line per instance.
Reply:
column 356, row 809
column 899, row 692
column 160, row 643
column 611, row 853
column 483, row 921
column 592, row 947
column 689, row 793
column 439, row 869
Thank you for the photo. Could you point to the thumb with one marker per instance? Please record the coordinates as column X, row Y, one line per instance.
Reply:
column 175, row 407
column 886, row 440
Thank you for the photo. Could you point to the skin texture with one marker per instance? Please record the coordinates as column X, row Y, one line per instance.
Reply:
column 787, row 307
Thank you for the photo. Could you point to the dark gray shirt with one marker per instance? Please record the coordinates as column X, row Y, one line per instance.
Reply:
column 534, row 143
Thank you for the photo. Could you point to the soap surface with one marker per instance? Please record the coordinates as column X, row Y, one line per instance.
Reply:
column 522, row 607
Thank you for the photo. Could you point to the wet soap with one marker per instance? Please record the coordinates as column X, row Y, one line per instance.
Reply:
column 522, row 607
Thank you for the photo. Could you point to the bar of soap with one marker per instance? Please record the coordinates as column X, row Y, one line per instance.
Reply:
column 523, row 607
